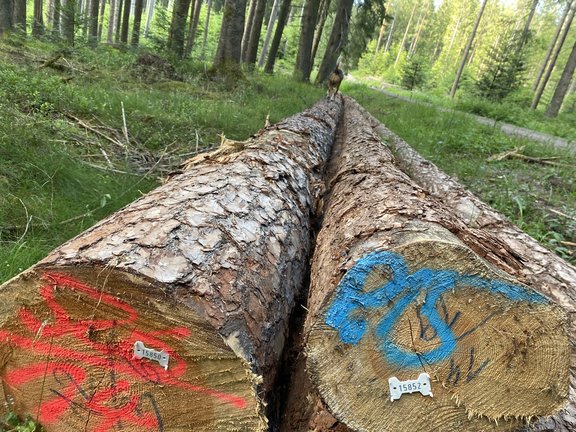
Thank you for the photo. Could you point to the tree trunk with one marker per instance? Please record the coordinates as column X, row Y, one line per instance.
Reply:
column 338, row 38
column 282, row 21
column 56, row 18
column 119, row 14
column 303, row 66
column 6, row 16
column 553, row 58
column 178, row 27
column 551, row 47
column 171, row 314
column 125, row 22
column 138, row 9
column 563, row 85
column 401, row 47
column 323, row 15
column 151, row 5
column 111, row 22
column 397, row 292
column 101, row 20
column 467, row 50
column 390, row 35
column 94, row 9
column 255, row 31
column 227, row 59
column 19, row 17
column 38, row 22
column 206, row 28
column 269, row 30
column 247, row 27
column 527, row 260
column 194, row 19
column 380, row 36
column 526, row 29
column 68, row 21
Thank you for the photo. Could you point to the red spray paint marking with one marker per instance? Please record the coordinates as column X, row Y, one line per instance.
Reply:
column 75, row 392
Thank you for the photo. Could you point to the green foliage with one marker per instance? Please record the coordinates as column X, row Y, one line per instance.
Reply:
column 366, row 19
column 503, row 73
column 413, row 74
column 11, row 422
column 539, row 198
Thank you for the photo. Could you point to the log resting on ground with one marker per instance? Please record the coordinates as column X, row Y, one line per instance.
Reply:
column 397, row 290
column 171, row 314
column 532, row 263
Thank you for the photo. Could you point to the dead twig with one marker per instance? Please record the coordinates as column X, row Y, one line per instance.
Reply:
column 516, row 153
column 562, row 214
column 124, row 125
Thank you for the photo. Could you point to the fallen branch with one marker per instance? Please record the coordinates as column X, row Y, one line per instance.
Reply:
column 515, row 153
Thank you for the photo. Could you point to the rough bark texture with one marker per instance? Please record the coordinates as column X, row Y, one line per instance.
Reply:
column 255, row 31
column 138, row 8
column 227, row 59
column 518, row 254
column 20, row 15
column 206, row 268
column 178, row 27
column 380, row 306
column 126, row 21
column 6, row 16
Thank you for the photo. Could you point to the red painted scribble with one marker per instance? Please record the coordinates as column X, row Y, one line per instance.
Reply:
column 110, row 405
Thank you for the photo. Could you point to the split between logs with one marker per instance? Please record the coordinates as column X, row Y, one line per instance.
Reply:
column 395, row 294
column 172, row 313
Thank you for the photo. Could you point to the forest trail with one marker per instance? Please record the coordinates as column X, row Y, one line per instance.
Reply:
column 506, row 128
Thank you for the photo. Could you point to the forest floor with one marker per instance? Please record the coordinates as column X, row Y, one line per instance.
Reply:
column 506, row 128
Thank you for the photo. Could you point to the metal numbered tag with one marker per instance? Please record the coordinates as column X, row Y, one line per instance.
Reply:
column 398, row 388
column 140, row 351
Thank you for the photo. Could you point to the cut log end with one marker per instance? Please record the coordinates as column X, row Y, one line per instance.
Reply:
column 496, row 352
column 101, row 349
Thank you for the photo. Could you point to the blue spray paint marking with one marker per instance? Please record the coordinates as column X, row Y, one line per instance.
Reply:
column 346, row 312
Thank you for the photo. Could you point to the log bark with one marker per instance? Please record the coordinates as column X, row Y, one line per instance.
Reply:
column 395, row 292
column 204, row 269
column 519, row 254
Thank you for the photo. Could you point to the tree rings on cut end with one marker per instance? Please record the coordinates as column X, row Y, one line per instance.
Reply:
column 496, row 351
column 98, row 349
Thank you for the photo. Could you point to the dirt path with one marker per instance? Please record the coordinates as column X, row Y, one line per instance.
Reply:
column 506, row 128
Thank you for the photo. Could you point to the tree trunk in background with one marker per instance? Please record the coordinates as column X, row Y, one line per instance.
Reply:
column 528, row 261
column 68, row 21
column 467, row 50
column 194, row 19
column 206, row 28
column 380, row 36
column 397, row 291
column 111, row 22
column 94, row 9
column 19, row 17
column 138, row 9
column 269, row 31
column 553, row 58
column 125, row 22
column 563, row 85
column 38, row 22
column 526, row 29
column 56, row 18
column 303, row 66
column 178, row 27
column 151, row 4
column 401, row 47
column 282, row 21
column 101, row 19
column 119, row 14
column 255, row 31
column 172, row 313
column 227, row 59
column 247, row 27
column 551, row 46
column 6, row 16
column 323, row 14
column 419, row 26
column 390, row 35
column 336, row 41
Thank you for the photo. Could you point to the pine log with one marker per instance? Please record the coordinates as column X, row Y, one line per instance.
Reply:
column 395, row 293
column 533, row 263
column 171, row 314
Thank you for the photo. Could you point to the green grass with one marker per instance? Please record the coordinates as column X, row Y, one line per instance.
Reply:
column 57, row 181
column 540, row 199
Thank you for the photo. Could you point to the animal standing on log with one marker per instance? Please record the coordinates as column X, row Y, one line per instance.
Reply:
column 334, row 81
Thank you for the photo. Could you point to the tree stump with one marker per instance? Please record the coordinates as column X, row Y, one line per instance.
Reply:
column 172, row 313
column 395, row 294
column 533, row 263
